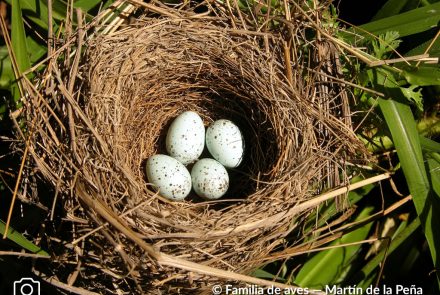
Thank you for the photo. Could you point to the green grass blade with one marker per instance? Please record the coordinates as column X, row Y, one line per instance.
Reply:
column 19, row 46
column 407, row 23
column 37, row 11
column 330, row 266
column 86, row 5
column 26, row 50
column 429, row 145
column 384, row 143
column 18, row 37
column 6, row 73
column 434, row 171
column 20, row 240
column 260, row 273
column 40, row 9
column 384, row 80
column 403, row 129
column 390, row 8
column 35, row 50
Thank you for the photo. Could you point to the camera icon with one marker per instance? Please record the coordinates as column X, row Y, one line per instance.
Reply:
column 26, row 286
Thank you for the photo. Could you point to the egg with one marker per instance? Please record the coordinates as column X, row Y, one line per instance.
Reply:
column 186, row 137
column 169, row 177
column 210, row 179
column 225, row 143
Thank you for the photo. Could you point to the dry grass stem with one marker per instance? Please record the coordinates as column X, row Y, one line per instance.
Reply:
column 21, row 254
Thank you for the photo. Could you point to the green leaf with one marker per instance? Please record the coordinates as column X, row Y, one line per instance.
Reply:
column 19, row 239
column 407, row 23
column 404, row 133
column 422, row 76
column 107, row 4
column 434, row 171
column 403, row 129
column 384, row 143
column 35, row 49
column 413, row 95
column 429, row 145
column 87, row 5
column 19, row 46
column 390, row 8
column 385, row 43
column 385, row 81
column 37, row 11
column 6, row 73
column 260, row 273
column 331, row 266
column 26, row 51
column 18, row 37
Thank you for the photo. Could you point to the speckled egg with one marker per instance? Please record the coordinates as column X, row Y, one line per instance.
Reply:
column 186, row 138
column 225, row 143
column 210, row 179
column 169, row 177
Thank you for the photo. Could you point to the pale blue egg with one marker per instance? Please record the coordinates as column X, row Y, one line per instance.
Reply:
column 169, row 176
column 225, row 143
column 210, row 179
column 186, row 138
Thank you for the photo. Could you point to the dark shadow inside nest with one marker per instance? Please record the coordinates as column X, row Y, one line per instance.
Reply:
column 261, row 149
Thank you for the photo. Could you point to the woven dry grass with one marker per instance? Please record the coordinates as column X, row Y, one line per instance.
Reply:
column 98, row 114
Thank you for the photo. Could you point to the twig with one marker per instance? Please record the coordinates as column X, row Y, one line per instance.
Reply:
column 21, row 254
column 114, row 25
column 287, row 62
column 304, row 206
column 374, row 36
column 348, row 83
column 17, row 184
column 333, row 235
column 430, row 45
column 50, row 28
column 106, row 224
column 396, row 205
column 358, row 53
column 419, row 58
column 72, row 289
column 153, row 8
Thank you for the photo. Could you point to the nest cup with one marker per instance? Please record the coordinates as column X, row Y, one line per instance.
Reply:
column 132, row 83
column 142, row 79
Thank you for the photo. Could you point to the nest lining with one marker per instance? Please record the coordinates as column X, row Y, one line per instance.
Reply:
column 134, row 82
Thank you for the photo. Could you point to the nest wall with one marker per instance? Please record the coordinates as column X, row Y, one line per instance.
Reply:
column 95, row 136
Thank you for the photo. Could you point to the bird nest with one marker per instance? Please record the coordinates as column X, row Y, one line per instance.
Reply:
column 103, row 109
